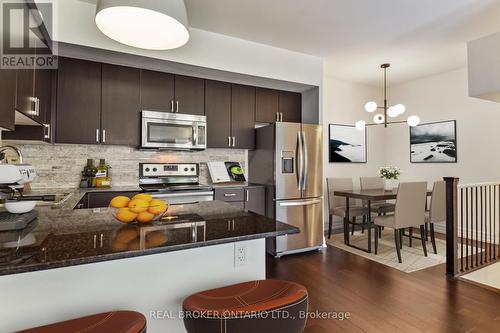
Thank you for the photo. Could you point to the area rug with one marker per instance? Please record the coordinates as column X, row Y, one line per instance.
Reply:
column 413, row 257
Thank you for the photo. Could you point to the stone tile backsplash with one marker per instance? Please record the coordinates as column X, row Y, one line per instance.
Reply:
column 60, row 165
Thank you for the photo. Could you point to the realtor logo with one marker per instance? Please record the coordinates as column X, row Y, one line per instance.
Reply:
column 24, row 27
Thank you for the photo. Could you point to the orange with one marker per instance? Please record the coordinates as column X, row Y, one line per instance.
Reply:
column 143, row 196
column 157, row 207
column 155, row 238
column 126, row 234
column 119, row 202
column 125, row 215
column 138, row 205
column 119, row 246
column 145, row 217
column 135, row 244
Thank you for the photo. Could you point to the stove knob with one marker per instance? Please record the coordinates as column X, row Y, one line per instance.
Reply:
column 192, row 169
column 154, row 169
column 186, row 169
column 147, row 170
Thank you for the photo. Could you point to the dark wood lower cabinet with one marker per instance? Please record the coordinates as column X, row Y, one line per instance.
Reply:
column 243, row 116
column 251, row 198
column 121, row 110
column 255, row 199
column 218, row 112
column 7, row 98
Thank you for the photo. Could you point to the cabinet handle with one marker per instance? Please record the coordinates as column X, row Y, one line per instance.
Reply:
column 37, row 106
column 281, row 116
column 177, row 106
column 229, row 194
column 229, row 141
column 172, row 106
column 47, row 127
column 277, row 116
column 33, row 112
column 234, row 141
column 103, row 135
column 97, row 135
column 248, row 195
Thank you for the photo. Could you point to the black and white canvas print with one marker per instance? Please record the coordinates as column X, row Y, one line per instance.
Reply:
column 347, row 144
column 434, row 143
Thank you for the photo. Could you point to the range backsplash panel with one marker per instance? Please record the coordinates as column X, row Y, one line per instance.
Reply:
column 60, row 165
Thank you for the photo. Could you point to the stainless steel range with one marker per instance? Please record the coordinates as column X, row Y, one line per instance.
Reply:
column 177, row 183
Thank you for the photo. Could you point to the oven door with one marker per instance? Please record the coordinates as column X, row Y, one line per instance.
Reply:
column 173, row 134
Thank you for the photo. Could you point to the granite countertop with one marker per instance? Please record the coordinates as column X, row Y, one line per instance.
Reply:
column 66, row 237
column 67, row 198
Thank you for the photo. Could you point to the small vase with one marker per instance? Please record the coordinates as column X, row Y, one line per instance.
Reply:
column 391, row 184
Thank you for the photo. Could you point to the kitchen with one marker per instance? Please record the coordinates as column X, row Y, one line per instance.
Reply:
column 158, row 124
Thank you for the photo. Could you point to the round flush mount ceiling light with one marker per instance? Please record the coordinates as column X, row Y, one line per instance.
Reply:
column 145, row 24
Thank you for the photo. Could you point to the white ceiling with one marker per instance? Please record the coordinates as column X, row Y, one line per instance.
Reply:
column 419, row 37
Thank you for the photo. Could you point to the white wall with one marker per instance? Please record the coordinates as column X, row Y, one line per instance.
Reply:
column 343, row 103
column 445, row 97
column 204, row 48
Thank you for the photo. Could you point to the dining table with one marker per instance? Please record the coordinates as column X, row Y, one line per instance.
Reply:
column 368, row 197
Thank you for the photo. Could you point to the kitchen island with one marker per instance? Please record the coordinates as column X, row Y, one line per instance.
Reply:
column 71, row 263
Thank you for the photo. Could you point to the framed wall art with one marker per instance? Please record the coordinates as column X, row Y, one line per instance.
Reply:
column 434, row 142
column 347, row 144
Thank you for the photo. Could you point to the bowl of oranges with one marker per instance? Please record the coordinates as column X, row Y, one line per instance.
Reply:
column 142, row 208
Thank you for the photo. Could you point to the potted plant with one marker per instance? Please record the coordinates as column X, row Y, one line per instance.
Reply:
column 391, row 176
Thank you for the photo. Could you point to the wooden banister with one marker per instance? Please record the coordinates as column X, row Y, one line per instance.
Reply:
column 451, row 225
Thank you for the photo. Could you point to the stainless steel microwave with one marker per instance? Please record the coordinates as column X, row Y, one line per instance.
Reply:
column 164, row 130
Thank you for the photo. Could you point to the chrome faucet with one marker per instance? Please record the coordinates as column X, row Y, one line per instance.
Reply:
column 11, row 148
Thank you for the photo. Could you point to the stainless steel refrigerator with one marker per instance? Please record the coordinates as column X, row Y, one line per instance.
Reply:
column 288, row 160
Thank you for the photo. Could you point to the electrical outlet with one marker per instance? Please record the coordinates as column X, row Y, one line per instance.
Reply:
column 240, row 254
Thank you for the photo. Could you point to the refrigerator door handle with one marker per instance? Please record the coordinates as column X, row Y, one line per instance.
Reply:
column 305, row 168
column 298, row 161
column 300, row 203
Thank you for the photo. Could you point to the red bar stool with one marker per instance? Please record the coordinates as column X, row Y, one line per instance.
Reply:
column 109, row 322
column 257, row 306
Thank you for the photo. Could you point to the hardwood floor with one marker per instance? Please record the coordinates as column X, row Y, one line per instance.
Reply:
column 382, row 299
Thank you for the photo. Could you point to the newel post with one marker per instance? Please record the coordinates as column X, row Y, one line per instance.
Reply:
column 451, row 225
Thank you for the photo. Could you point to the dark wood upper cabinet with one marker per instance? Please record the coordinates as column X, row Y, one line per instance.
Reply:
column 7, row 98
column 43, row 91
column 266, row 105
column 189, row 95
column 290, row 105
column 25, row 91
column 243, row 116
column 157, row 91
column 78, row 101
column 121, row 107
column 218, row 112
